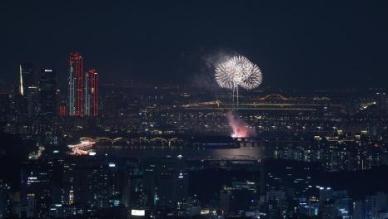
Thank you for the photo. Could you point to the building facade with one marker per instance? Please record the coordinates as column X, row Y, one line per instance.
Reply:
column 91, row 93
column 76, row 85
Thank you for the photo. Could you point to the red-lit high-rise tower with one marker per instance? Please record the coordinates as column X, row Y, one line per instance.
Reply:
column 76, row 85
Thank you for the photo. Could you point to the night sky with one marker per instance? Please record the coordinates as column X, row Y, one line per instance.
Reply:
column 298, row 44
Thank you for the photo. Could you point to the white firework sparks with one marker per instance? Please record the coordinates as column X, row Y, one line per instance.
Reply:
column 238, row 71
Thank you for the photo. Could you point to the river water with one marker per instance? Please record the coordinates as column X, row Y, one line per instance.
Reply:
column 242, row 153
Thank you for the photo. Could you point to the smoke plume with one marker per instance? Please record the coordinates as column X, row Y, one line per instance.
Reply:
column 240, row 129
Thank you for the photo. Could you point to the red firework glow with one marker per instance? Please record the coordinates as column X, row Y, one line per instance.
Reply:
column 240, row 129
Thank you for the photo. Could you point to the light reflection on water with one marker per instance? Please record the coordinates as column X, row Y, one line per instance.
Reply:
column 243, row 153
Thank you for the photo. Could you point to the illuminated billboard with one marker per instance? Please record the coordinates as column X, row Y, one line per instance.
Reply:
column 137, row 212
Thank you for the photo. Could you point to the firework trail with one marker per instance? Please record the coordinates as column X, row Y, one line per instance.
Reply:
column 232, row 73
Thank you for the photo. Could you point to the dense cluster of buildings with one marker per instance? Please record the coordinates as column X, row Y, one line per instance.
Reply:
column 144, row 151
column 36, row 105
column 38, row 93
column 171, row 187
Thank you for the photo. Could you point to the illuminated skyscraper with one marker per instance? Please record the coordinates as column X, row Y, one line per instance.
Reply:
column 26, row 78
column 91, row 93
column 27, row 90
column 76, row 85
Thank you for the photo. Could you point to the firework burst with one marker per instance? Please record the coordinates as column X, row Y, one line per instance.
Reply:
column 238, row 71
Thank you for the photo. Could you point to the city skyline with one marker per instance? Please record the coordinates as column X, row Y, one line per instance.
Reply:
column 342, row 44
column 194, row 109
